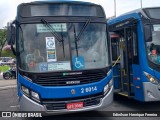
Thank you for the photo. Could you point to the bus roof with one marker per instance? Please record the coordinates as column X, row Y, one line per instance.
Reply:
column 64, row 1
column 135, row 14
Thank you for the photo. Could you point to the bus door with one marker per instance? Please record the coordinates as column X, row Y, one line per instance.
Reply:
column 115, row 44
column 124, row 61
column 127, row 52
column 124, row 55
column 121, row 61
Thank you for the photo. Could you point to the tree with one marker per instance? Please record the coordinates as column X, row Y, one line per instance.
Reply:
column 3, row 33
column 7, row 53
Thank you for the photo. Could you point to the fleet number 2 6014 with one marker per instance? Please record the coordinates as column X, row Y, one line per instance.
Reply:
column 89, row 89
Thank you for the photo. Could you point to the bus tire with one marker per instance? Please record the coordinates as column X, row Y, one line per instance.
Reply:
column 6, row 76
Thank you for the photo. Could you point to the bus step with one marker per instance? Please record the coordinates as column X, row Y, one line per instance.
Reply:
column 127, row 84
column 125, row 94
column 117, row 90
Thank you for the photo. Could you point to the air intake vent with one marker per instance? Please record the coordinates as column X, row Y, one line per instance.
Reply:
column 72, row 79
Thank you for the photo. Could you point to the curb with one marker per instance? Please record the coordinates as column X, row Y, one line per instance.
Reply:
column 7, row 87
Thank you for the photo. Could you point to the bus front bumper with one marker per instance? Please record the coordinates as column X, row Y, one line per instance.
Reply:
column 151, row 92
column 27, row 104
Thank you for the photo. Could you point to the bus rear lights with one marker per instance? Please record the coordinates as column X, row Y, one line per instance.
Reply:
column 35, row 96
column 25, row 90
column 151, row 78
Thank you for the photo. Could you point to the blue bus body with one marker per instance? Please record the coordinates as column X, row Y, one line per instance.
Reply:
column 137, row 70
column 51, row 85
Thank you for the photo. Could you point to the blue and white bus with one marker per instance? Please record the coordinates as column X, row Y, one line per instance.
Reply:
column 63, row 56
column 136, row 54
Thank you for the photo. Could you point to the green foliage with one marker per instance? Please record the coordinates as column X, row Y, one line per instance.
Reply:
column 6, row 53
column 4, row 68
column 3, row 33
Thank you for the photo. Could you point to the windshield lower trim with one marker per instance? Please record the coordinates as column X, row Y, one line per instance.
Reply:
column 107, row 67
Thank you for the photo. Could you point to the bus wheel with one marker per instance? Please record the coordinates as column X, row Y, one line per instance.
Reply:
column 6, row 76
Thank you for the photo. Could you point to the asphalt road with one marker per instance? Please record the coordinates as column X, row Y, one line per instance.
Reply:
column 9, row 102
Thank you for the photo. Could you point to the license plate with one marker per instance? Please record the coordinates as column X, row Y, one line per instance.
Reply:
column 76, row 105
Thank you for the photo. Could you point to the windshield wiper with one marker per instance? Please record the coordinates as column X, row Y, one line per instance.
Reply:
column 62, row 40
column 75, row 40
column 82, row 30
column 77, row 37
column 53, row 31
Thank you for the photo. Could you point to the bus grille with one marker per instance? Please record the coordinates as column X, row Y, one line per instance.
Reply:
column 68, row 80
column 59, row 105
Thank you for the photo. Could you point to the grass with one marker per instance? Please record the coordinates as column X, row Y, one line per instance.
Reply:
column 4, row 68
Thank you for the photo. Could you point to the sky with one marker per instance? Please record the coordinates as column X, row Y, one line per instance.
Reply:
column 8, row 7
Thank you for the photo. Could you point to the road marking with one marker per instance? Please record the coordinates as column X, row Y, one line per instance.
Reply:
column 14, row 106
column 8, row 87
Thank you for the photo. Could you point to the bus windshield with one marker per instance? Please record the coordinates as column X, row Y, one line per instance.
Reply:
column 41, row 51
column 153, row 46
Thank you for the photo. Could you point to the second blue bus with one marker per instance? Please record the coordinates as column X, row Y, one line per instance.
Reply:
column 135, row 39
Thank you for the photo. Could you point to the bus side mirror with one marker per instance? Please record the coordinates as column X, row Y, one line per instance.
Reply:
column 148, row 33
column 11, row 33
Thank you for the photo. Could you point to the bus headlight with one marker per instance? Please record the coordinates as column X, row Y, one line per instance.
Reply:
column 110, row 82
column 106, row 89
column 108, row 86
column 31, row 94
column 25, row 90
column 27, row 78
column 35, row 96
column 151, row 78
